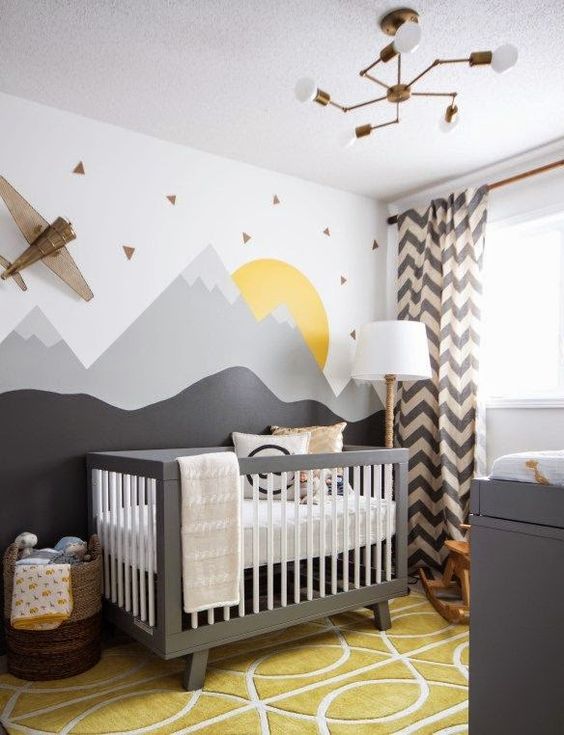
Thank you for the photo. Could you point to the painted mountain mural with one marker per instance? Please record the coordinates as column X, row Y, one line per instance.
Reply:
column 199, row 326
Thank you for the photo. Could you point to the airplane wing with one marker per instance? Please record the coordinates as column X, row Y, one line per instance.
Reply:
column 63, row 265
column 30, row 222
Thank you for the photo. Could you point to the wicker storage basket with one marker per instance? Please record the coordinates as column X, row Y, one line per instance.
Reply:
column 73, row 647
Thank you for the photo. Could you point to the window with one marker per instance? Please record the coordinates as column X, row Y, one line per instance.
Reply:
column 523, row 313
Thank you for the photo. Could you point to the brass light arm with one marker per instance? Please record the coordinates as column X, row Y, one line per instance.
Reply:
column 365, row 104
column 392, row 122
column 384, row 125
column 363, row 72
column 438, row 62
column 338, row 106
column 434, row 94
column 373, row 79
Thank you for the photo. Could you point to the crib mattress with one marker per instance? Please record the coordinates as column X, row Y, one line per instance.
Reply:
column 379, row 510
column 544, row 468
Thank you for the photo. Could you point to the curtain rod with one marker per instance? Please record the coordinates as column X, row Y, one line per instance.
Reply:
column 510, row 180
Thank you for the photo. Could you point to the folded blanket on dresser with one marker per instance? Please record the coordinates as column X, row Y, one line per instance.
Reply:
column 211, row 530
column 544, row 468
column 42, row 596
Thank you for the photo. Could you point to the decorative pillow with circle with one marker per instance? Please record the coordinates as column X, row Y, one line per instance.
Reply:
column 259, row 445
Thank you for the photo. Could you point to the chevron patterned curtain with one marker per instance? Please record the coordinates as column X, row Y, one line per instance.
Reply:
column 439, row 284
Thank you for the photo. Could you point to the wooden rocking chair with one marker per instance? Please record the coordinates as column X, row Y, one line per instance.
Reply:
column 454, row 602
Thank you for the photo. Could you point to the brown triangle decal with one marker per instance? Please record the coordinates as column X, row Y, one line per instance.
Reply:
column 246, row 238
column 128, row 250
column 375, row 245
column 275, row 199
column 343, row 280
column 171, row 198
column 326, row 232
column 79, row 169
column 353, row 334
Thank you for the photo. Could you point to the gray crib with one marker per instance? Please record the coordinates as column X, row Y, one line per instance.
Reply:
column 300, row 560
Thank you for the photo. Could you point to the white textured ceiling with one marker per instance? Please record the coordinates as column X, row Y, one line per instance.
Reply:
column 219, row 75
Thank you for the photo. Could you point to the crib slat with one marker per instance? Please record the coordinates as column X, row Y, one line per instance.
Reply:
column 368, row 524
column 151, row 550
column 346, row 475
column 120, row 555
column 356, row 485
column 127, row 539
column 135, row 546
column 322, row 532
column 309, row 491
column 97, row 488
column 241, row 555
column 334, row 548
column 211, row 616
column 284, row 539
column 106, row 534
column 297, row 486
column 377, row 553
column 113, row 534
column 256, row 538
column 142, row 550
column 269, row 543
column 388, row 489
column 194, row 619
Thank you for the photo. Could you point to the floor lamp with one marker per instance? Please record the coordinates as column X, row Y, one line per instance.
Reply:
column 391, row 351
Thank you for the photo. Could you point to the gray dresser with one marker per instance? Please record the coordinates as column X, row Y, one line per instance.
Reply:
column 517, row 609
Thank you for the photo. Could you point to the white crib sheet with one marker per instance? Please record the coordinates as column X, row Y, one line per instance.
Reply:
column 378, row 508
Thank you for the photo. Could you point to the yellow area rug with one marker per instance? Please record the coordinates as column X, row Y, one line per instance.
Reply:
column 336, row 676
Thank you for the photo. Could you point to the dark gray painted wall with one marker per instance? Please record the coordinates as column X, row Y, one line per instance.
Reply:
column 44, row 437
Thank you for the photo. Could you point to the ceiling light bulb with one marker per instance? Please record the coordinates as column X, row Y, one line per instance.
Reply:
column 305, row 90
column 504, row 57
column 447, row 126
column 347, row 139
column 408, row 37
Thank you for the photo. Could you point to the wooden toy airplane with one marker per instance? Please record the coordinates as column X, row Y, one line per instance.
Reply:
column 46, row 243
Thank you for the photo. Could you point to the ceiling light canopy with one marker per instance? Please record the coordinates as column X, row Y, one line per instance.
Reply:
column 403, row 25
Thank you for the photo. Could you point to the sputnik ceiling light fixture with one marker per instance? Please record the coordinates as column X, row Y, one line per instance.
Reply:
column 403, row 25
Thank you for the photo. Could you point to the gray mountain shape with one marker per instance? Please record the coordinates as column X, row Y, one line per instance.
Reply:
column 208, row 268
column 36, row 324
column 187, row 333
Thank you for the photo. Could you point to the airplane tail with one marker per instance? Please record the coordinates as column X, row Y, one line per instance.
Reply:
column 16, row 276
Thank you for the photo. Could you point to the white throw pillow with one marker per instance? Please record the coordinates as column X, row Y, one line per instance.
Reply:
column 259, row 445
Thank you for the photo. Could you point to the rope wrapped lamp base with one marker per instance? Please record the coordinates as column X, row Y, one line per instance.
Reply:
column 73, row 647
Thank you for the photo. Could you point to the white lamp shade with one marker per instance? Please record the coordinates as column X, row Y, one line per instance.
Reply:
column 397, row 348
column 408, row 37
column 448, row 127
column 504, row 58
column 305, row 90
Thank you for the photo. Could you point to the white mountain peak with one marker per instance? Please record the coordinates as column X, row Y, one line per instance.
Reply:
column 36, row 324
column 283, row 316
column 209, row 268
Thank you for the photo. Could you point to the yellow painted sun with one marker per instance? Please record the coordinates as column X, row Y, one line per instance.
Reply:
column 266, row 284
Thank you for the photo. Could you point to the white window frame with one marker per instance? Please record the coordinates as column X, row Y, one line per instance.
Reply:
column 530, row 401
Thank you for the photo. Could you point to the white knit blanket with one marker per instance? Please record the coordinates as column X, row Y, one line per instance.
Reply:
column 211, row 530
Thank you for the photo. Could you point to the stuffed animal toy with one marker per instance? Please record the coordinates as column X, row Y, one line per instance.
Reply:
column 25, row 543
column 72, row 550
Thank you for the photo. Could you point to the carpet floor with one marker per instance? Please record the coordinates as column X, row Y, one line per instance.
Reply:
column 335, row 676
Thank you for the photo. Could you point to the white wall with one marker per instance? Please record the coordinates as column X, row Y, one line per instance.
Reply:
column 508, row 429
column 122, row 201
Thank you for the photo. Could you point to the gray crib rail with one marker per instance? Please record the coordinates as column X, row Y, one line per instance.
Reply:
column 168, row 631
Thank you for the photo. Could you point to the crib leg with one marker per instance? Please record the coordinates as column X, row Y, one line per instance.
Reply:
column 195, row 670
column 382, row 619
